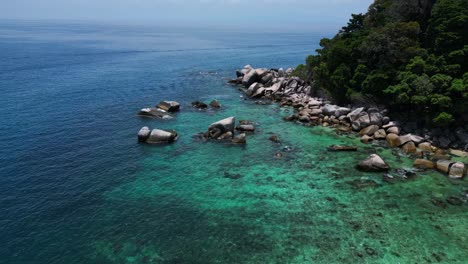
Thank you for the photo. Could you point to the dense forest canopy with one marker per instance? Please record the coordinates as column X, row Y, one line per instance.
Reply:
column 410, row 55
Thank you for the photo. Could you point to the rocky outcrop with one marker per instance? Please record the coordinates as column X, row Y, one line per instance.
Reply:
column 224, row 125
column 371, row 123
column 373, row 163
column 239, row 139
column 199, row 105
column 169, row 106
column 154, row 113
column 215, row 104
column 143, row 134
column 156, row 136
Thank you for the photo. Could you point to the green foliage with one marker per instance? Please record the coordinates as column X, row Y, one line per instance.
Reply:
column 443, row 119
column 411, row 55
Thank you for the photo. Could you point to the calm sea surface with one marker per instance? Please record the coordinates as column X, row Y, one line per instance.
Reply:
column 75, row 187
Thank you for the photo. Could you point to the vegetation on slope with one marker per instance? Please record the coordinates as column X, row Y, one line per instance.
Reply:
column 410, row 55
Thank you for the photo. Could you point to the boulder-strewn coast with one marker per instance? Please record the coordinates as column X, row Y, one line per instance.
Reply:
column 369, row 123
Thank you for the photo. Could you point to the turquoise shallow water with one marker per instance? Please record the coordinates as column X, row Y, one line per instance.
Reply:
column 76, row 187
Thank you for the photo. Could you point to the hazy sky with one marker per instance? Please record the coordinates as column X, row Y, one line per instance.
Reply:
column 281, row 14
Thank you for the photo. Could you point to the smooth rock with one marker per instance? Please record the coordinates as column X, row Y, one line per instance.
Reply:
column 457, row 171
column 393, row 130
column 154, row 113
column 458, row 153
column 353, row 115
column 443, row 165
column 362, row 121
column 143, row 134
column 169, row 106
column 409, row 137
column 342, row 111
column 246, row 128
column 253, row 88
column 366, row 139
column 329, row 109
column 161, row 136
column 392, row 140
column 260, row 92
column 369, row 131
column 380, row 134
column 423, row 164
column 239, row 139
column 409, row 147
column 373, row 163
column 224, row 125
column 376, row 118
column 425, row 146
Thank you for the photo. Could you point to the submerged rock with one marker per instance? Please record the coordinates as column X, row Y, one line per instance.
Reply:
column 239, row 139
column 199, row 105
column 246, row 128
column 373, row 163
column 342, row 148
column 215, row 104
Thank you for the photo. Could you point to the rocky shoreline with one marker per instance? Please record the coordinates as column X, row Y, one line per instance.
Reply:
column 369, row 123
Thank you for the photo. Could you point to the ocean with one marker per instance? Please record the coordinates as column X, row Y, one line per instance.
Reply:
column 76, row 187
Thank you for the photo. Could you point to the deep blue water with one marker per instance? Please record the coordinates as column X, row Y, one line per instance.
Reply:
column 76, row 187
column 69, row 97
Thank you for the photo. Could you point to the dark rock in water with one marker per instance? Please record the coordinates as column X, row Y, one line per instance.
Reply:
column 362, row 183
column 143, row 134
column 169, row 106
column 438, row 202
column 215, row 104
column 239, row 139
column 233, row 176
column 246, row 122
column 236, row 81
column 246, row 128
column 226, row 136
column 454, row 201
column 154, row 113
column 287, row 149
column 199, row 105
column 373, row 163
column 291, row 118
column 389, row 178
column 370, row 251
column 342, row 148
column 275, row 139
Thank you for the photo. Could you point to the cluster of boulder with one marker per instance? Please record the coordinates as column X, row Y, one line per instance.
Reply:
column 156, row 136
column 201, row 105
column 371, row 124
column 162, row 110
column 225, row 130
